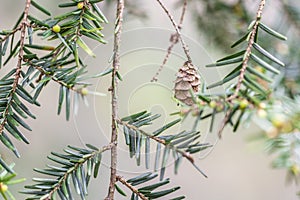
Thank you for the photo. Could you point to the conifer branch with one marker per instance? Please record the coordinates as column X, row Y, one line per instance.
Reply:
column 74, row 168
column 248, row 51
column 114, row 102
column 183, row 153
column 53, row 78
column 22, row 29
column 129, row 186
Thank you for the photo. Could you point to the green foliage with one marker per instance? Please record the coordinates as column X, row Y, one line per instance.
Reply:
column 180, row 145
column 252, row 74
column 150, row 190
column 271, row 91
column 75, row 167
column 6, row 179
column 251, row 80
column 44, row 63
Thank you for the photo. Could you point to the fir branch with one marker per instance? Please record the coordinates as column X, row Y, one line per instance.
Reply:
column 248, row 51
column 129, row 186
column 157, row 139
column 183, row 153
column 173, row 40
column 12, row 32
column 69, row 165
column 177, row 29
column 74, row 168
column 22, row 29
column 114, row 101
column 243, row 69
column 62, row 83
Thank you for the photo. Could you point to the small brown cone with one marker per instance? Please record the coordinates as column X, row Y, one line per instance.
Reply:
column 187, row 80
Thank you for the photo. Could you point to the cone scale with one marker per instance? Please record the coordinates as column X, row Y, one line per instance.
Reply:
column 187, row 82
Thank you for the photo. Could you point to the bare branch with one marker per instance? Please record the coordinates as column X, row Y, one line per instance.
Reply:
column 173, row 40
column 184, row 46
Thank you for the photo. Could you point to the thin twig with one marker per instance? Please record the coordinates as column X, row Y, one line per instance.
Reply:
column 114, row 102
column 177, row 29
column 173, row 40
column 223, row 124
column 10, row 33
column 129, row 186
column 22, row 29
column 182, row 13
column 248, row 50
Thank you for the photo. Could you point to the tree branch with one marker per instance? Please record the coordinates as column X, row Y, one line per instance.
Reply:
column 183, row 153
column 74, row 168
column 173, row 40
column 248, row 51
column 53, row 78
column 177, row 29
column 133, row 189
column 22, row 29
column 114, row 102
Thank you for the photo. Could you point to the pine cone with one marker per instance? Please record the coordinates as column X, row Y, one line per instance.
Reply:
column 187, row 80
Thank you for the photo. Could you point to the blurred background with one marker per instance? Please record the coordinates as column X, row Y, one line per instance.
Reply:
column 236, row 167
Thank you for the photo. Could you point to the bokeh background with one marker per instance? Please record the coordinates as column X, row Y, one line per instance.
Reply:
column 236, row 167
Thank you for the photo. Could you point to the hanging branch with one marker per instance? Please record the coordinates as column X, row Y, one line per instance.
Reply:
column 248, row 52
column 246, row 59
column 173, row 40
column 53, row 78
column 73, row 167
column 76, row 166
column 147, row 190
column 166, row 143
column 114, row 102
column 129, row 186
column 177, row 29
column 22, row 28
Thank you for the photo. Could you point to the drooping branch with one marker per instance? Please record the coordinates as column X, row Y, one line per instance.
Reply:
column 183, row 153
column 114, row 102
column 53, row 78
column 22, row 29
column 74, row 168
column 161, row 141
column 129, row 186
column 177, row 29
column 248, row 51
column 244, row 65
